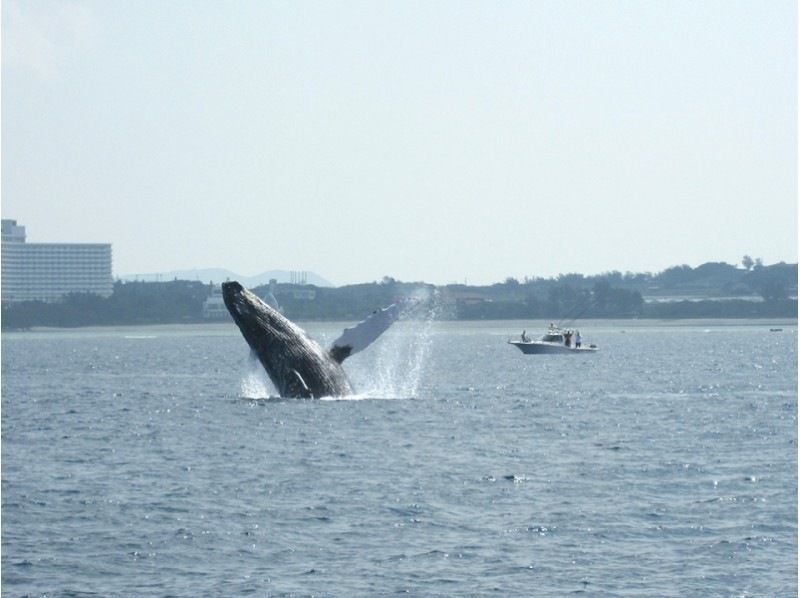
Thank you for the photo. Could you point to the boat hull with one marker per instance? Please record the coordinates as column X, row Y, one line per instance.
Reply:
column 544, row 348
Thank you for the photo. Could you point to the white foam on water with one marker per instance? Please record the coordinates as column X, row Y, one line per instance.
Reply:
column 396, row 366
column 255, row 384
column 361, row 397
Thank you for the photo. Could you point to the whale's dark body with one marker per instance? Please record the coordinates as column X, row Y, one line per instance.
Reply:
column 296, row 364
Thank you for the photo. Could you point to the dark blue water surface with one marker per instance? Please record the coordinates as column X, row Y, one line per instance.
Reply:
column 145, row 461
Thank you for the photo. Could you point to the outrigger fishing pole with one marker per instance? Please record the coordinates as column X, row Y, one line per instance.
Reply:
column 583, row 311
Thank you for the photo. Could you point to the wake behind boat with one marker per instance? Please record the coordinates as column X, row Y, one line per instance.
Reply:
column 554, row 341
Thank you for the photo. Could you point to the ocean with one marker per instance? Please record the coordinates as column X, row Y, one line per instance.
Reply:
column 155, row 461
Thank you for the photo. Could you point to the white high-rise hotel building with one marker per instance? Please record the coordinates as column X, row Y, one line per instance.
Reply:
column 48, row 271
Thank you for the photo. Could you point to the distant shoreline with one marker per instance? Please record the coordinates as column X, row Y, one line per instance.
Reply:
column 710, row 291
column 534, row 324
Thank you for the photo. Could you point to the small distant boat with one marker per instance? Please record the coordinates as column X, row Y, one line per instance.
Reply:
column 776, row 329
column 554, row 341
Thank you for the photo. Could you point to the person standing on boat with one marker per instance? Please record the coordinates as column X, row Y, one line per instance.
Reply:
column 567, row 337
column 524, row 337
column 577, row 339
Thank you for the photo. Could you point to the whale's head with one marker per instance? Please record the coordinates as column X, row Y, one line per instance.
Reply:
column 263, row 327
column 239, row 301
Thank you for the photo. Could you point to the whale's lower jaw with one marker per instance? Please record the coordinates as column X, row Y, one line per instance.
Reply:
column 297, row 366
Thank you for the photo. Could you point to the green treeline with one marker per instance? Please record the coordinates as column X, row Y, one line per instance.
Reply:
column 130, row 303
column 713, row 290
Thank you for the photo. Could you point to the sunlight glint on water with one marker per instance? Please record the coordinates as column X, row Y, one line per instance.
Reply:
column 664, row 465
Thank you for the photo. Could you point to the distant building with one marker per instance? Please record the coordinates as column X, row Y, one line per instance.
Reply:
column 464, row 298
column 49, row 271
column 304, row 294
column 12, row 233
column 214, row 306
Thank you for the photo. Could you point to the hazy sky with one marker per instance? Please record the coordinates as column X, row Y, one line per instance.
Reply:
column 431, row 140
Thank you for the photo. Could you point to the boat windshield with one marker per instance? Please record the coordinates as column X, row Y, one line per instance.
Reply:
column 553, row 338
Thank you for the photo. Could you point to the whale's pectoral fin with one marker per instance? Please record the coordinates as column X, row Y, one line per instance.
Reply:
column 339, row 354
column 296, row 387
column 360, row 336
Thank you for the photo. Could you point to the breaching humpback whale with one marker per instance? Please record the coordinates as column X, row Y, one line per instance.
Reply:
column 297, row 365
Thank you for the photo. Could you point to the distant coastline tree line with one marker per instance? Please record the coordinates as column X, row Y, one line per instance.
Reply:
column 712, row 290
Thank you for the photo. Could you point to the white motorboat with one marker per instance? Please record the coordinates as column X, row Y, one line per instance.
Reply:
column 554, row 341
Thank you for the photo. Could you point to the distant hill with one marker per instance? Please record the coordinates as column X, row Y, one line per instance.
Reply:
column 219, row 275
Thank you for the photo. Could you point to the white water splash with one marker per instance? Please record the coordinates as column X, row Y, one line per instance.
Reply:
column 255, row 384
column 398, row 361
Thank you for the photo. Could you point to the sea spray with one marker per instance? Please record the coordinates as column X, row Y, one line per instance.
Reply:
column 254, row 383
column 397, row 364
